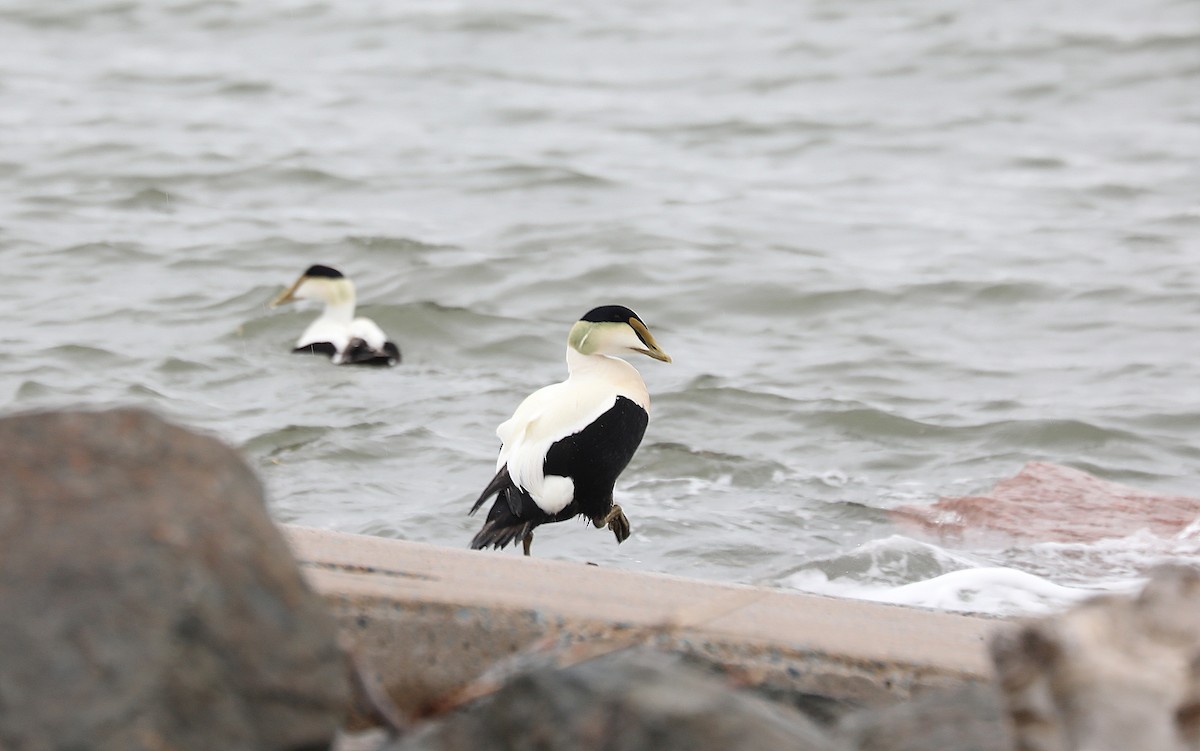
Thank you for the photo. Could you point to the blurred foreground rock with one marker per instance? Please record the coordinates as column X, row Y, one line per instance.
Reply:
column 1114, row 674
column 968, row 718
column 1056, row 503
column 632, row 700
column 148, row 600
column 431, row 620
column 150, row 603
column 645, row 699
column 488, row 650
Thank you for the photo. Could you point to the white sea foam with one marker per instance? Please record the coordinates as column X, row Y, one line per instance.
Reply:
column 1037, row 579
column 993, row 590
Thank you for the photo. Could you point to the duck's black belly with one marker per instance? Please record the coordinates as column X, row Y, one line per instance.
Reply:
column 594, row 457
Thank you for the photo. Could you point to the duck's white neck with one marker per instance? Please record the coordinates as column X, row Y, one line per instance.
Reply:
column 579, row 364
column 622, row 377
column 339, row 302
column 339, row 312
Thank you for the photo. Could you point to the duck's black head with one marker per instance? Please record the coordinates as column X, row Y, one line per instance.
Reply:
column 326, row 271
column 609, row 314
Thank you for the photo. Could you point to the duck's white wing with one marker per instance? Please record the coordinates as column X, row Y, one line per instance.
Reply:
column 324, row 330
column 545, row 417
column 369, row 332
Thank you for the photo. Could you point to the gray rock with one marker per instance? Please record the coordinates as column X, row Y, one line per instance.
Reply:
column 148, row 600
column 626, row 701
column 1112, row 674
column 970, row 718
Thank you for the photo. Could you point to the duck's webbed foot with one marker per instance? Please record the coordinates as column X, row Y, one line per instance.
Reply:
column 615, row 520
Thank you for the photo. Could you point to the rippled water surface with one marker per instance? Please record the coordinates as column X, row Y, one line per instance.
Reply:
column 896, row 250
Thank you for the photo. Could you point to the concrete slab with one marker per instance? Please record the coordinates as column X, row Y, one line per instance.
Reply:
column 430, row 620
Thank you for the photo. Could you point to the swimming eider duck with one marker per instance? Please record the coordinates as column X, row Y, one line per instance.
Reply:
column 563, row 448
column 337, row 333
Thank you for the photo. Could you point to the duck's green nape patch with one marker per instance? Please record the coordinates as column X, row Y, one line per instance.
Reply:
column 587, row 337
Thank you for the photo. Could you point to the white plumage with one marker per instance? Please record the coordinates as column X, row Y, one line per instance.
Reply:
column 563, row 409
column 565, row 445
column 332, row 327
column 337, row 332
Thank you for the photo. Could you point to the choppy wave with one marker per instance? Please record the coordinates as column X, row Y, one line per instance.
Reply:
column 887, row 271
column 983, row 590
column 903, row 571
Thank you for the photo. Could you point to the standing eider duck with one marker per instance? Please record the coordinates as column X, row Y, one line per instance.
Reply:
column 563, row 448
column 337, row 333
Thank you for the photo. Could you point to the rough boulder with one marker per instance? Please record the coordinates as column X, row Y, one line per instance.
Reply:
column 148, row 600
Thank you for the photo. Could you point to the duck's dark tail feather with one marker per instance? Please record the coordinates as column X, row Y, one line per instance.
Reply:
column 503, row 526
column 358, row 352
column 500, row 533
column 499, row 483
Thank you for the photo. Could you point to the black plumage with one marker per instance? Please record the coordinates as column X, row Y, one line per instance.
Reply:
column 337, row 333
column 358, row 352
column 317, row 348
column 328, row 272
column 593, row 458
column 567, row 443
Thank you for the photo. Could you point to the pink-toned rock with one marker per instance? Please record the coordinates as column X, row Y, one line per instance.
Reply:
column 1051, row 502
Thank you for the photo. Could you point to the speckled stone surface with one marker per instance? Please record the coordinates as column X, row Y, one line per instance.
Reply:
column 429, row 620
column 631, row 700
column 1110, row 674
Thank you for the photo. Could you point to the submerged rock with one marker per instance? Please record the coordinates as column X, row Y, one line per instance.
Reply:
column 148, row 600
column 1056, row 503
column 1112, row 674
column 625, row 701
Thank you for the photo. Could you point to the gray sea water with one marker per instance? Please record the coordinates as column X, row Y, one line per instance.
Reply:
column 897, row 249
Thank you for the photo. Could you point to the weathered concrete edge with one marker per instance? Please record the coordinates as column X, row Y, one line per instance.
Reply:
column 428, row 620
